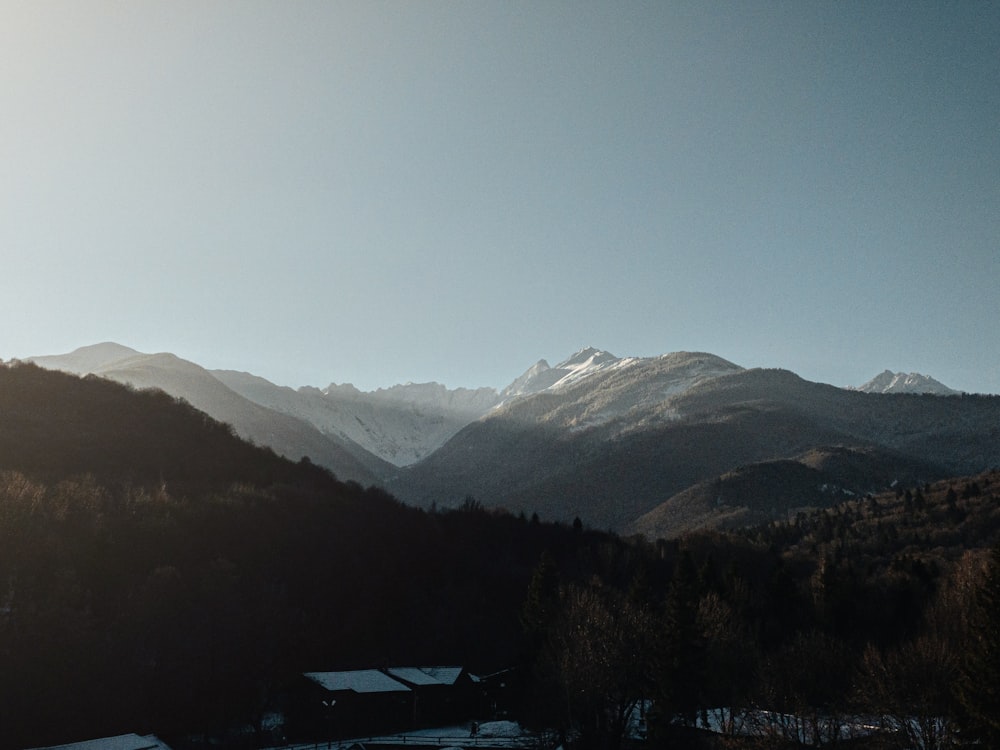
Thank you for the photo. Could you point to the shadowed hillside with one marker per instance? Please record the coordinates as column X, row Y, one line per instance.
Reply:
column 54, row 426
column 157, row 573
column 778, row 490
column 612, row 470
column 288, row 435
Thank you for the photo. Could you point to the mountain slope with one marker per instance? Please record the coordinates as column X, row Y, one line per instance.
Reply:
column 776, row 490
column 86, row 359
column 401, row 424
column 541, row 377
column 56, row 425
column 287, row 435
column 617, row 444
column 605, row 390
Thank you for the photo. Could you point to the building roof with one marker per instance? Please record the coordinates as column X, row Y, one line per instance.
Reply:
column 120, row 742
column 357, row 681
column 444, row 675
column 413, row 676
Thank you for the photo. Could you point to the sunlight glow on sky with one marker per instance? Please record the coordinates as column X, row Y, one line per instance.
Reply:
column 380, row 192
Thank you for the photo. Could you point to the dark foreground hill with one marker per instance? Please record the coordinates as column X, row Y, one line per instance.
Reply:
column 54, row 426
column 286, row 434
column 157, row 573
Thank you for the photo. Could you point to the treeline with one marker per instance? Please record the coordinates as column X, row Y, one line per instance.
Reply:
column 883, row 613
column 133, row 609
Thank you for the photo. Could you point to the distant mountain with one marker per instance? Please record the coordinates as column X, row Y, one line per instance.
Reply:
column 777, row 490
column 902, row 382
column 400, row 425
column 629, row 436
column 286, row 435
column 86, row 359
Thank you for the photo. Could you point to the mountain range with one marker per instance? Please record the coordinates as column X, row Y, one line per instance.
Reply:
column 650, row 445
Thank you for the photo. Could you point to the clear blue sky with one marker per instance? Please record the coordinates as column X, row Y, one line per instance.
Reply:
column 375, row 192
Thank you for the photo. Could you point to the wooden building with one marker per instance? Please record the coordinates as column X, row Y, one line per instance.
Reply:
column 368, row 702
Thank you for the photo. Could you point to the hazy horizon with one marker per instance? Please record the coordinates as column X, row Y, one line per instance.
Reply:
column 382, row 192
column 496, row 386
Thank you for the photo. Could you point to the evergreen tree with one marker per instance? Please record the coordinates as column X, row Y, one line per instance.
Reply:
column 682, row 655
column 542, row 600
column 538, row 614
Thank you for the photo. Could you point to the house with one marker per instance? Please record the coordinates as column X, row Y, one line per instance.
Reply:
column 120, row 742
column 442, row 695
column 368, row 702
column 354, row 703
column 499, row 693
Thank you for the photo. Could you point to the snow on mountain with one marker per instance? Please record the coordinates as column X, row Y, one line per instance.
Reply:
column 406, row 423
column 536, row 378
column 902, row 382
column 540, row 377
column 436, row 396
column 585, row 363
column 401, row 424
column 593, row 388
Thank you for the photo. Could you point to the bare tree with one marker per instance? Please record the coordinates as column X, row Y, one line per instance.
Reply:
column 600, row 650
column 910, row 688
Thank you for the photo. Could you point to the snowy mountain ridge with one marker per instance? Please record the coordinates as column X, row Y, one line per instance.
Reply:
column 401, row 424
column 540, row 377
column 593, row 388
column 405, row 424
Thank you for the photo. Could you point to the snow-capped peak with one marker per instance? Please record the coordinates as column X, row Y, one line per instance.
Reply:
column 583, row 364
column 905, row 382
column 587, row 358
column 541, row 377
column 528, row 382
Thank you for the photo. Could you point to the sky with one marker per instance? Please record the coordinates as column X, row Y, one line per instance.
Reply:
column 384, row 192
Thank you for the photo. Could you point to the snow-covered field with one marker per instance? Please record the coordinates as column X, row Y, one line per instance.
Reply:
column 491, row 734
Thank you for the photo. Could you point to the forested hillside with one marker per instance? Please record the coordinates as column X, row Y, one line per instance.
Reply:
column 54, row 426
column 158, row 574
